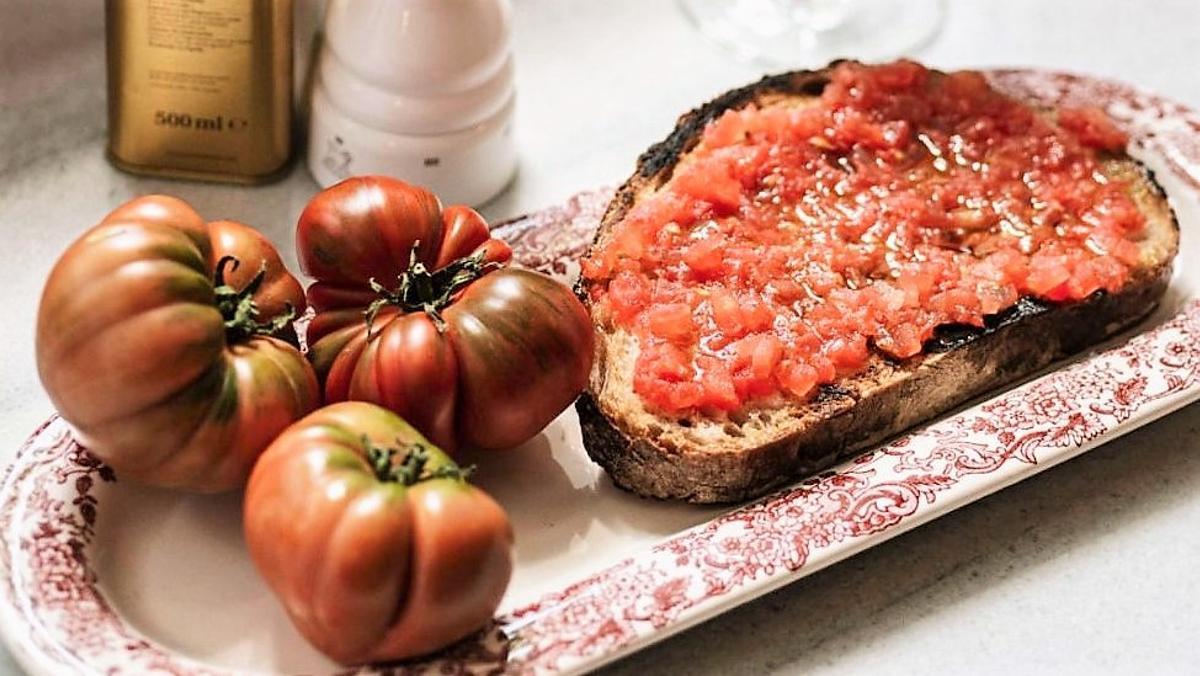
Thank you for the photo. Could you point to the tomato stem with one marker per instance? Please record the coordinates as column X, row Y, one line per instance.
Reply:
column 412, row 468
column 238, row 308
column 420, row 290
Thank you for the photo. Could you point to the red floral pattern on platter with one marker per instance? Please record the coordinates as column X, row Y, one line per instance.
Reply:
column 1050, row 419
column 553, row 240
column 58, row 621
column 55, row 483
column 1159, row 125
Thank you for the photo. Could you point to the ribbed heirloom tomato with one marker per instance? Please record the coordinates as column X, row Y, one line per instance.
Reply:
column 372, row 538
column 418, row 311
column 154, row 340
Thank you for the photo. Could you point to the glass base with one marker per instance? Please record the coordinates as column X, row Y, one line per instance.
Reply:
column 811, row 33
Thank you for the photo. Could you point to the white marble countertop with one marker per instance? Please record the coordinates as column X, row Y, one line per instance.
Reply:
column 1089, row 567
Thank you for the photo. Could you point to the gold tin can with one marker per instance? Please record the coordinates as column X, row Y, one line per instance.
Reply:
column 200, row 88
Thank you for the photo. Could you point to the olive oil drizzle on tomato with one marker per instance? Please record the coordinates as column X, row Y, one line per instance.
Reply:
column 238, row 308
column 800, row 238
column 420, row 290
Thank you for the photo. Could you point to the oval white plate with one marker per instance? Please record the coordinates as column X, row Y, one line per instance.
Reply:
column 100, row 576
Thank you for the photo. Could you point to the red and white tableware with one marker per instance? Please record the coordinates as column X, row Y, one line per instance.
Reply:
column 101, row 576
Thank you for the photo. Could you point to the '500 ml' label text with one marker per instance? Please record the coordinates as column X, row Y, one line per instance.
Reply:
column 170, row 118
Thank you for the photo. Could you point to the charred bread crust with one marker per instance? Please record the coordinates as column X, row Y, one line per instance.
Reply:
column 959, row 363
column 654, row 167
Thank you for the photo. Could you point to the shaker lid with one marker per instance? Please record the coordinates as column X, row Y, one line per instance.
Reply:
column 420, row 47
column 402, row 113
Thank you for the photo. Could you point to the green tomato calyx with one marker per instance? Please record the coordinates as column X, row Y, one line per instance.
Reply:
column 419, row 289
column 238, row 307
column 412, row 467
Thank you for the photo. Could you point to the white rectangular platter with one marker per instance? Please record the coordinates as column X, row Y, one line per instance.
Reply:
column 99, row 576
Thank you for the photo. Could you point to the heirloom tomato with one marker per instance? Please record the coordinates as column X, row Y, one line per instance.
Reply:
column 372, row 538
column 154, row 340
column 418, row 310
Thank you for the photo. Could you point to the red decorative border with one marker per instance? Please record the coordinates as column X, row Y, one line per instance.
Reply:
column 1169, row 129
column 56, row 619
column 1050, row 419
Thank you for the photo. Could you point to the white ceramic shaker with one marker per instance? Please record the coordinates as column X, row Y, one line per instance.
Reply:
column 421, row 90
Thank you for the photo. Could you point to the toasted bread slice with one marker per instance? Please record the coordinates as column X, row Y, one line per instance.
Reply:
column 712, row 459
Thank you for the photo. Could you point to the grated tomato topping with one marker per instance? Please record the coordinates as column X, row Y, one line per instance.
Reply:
column 795, row 239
